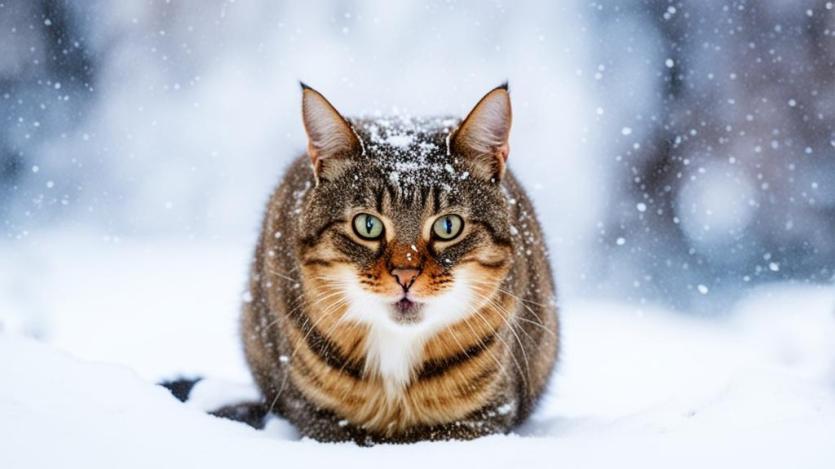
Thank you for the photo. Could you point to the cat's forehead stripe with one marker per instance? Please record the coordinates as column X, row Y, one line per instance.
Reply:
column 408, row 149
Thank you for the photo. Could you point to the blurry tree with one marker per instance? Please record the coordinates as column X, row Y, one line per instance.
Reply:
column 731, row 179
column 46, row 81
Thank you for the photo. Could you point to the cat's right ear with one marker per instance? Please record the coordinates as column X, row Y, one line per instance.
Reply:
column 483, row 136
column 330, row 138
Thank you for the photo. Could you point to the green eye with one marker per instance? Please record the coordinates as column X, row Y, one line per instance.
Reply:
column 368, row 226
column 448, row 227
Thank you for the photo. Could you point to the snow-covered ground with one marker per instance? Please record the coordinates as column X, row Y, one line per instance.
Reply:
column 636, row 385
column 195, row 111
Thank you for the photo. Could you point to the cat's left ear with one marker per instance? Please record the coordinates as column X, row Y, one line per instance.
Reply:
column 483, row 135
column 330, row 138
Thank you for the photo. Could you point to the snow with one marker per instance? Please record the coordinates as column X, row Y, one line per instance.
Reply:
column 636, row 384
column 168, row 169
column 400, row 141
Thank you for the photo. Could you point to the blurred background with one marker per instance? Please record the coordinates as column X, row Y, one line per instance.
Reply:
column 679, row 153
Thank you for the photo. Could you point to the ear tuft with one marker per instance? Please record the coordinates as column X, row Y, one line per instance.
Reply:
column 330, row 137
column 483, row 136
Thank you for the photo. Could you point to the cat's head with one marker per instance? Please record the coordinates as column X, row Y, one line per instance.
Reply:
column 407, row 225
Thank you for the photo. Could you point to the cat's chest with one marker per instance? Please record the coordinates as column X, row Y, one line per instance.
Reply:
column 413, row 379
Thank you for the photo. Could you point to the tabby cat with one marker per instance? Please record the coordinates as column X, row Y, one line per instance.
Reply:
column 401, row 289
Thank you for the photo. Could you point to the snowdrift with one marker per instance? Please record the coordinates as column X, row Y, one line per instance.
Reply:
column 636, row 386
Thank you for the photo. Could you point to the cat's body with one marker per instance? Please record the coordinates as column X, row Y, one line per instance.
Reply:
column 388, row 329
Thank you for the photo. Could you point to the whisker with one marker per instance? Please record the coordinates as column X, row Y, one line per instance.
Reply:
column 299, row 305
column 296, row 347
column 506, row 345
column 485, row 282
column 523, row 301
column 501, row 366
column 279, row 274
column 512, row 330
column 509, row 314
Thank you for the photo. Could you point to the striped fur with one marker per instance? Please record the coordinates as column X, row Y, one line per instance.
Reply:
column 318, row 332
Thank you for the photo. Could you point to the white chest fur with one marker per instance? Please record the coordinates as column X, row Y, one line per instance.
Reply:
column 394, row 351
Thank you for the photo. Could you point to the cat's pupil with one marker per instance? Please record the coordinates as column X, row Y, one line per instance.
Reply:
column 369, row 225
column 448, row 225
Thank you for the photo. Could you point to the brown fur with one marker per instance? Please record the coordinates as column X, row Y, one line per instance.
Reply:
column 481, row 375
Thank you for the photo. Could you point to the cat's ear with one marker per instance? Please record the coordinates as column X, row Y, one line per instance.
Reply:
column 483, row 135
column 330, row 138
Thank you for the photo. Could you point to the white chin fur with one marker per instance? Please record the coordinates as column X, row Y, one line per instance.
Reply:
column 394, row 349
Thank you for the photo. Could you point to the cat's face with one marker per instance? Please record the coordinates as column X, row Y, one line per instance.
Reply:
column 406, row 227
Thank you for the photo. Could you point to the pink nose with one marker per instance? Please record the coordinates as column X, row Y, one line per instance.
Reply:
column 405, row 277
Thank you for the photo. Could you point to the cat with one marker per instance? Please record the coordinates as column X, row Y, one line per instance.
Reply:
column 401, row 289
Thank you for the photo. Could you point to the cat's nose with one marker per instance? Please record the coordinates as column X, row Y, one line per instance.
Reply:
column 405, row 277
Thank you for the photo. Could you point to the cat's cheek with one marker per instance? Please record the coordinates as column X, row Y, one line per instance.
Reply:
column 365, row 303
column 481, row 283
column 456, row 302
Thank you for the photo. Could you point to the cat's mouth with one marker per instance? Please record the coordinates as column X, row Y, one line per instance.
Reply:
column 406, row 311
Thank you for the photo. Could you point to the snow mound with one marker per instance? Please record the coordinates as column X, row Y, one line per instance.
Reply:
column 95, row 415
column 635, row 386
column 753, row 387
